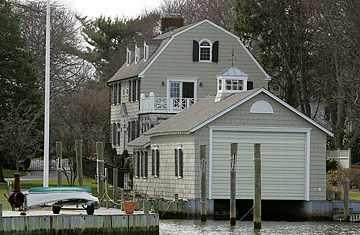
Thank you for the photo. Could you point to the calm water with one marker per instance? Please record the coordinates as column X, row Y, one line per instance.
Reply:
column 182, row 227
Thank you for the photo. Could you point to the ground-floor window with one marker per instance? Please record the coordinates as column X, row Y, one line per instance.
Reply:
column 179, row 162
column 141, row 164
column 155, row 169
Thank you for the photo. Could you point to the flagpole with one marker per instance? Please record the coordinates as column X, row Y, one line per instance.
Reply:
column 47, row 99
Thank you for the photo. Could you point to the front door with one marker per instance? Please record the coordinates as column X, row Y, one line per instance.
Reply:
column 188, row 90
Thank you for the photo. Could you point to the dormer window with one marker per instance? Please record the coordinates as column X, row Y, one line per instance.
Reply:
column 146, row 51
column 137, row 54
column 231, row 81
column 205, row 51
column 128, row 56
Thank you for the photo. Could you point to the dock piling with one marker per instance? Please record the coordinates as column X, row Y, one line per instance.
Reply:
column 100, row 167
column 203, row 183
column 257, row 200
column 115, row 184
column 346, row 199
column 79, row 168
column 234, row 148
column 59, row 162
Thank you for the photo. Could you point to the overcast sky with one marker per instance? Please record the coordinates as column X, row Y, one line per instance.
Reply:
column 113, row 8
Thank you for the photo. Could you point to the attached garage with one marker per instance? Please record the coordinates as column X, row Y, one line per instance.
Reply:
column 284, row 163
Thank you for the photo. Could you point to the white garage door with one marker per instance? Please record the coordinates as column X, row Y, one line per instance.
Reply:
column 283, row 164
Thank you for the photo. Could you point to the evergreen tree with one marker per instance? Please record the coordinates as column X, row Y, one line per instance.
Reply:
column 18, row 86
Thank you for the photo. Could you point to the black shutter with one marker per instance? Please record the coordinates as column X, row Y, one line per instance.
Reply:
column 134, row 91
column 119, row 91
column 138, row 164
column 130, row 90
column 138, row 90
column 181, row 163
column 215, row 52
column 146, row 164
column 157, row 163
column 153, row 162
column 176, row 163
column 195, row 51
column 142, row 164
column 129, row 131
column 250, row 85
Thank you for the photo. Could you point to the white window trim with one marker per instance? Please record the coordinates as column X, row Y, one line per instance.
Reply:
column 306, row 131
column 155, row 148
column 181, row 80
column 128, row 56
column 146, row 51
column 137, row 54
column 179, row 147
column 210, row 47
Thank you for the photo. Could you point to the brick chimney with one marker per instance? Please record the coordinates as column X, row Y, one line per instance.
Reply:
column 171, row 22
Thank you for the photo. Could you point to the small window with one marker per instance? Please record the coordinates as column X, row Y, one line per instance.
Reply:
column 146, row 51
column 250, row 85
column 205, row 51
column 137, row 54
column 179, row 163
column 114, row 134
column 118, row 134
column 128, row 56
column 234, row 85
column 137, row 164
column 219, row 85
column 155, row 154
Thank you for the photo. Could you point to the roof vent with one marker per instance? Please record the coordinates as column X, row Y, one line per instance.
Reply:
column 171, row 22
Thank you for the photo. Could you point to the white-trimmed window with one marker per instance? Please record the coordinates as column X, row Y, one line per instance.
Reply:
column 141, row 164
column 179, row 162
column 128, row 56
column 205, row 51
column 146, row 51
column 234, row 85
column 137, row 54
column 155, row 164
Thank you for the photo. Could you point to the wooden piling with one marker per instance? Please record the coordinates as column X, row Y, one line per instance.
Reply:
column 59, row 162
column 257, row 200
column 79, row 168
column 203, row 183
column 234, row 148
column 115, row 184
column 346, row 199
column 100, row 167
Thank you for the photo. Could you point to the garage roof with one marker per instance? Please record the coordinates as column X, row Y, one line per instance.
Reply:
column 207, row 110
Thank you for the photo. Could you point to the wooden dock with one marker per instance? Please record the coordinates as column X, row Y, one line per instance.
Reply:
column 105, row 221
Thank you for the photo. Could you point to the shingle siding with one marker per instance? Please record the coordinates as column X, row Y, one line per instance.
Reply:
column 282, row 117
column 176, row 60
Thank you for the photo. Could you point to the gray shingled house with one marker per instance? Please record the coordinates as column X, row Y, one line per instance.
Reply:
column 201, row 86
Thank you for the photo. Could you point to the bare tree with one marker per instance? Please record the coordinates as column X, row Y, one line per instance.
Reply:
column 220, row 12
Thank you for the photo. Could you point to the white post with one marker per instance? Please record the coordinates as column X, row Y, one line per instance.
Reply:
column 47, row 99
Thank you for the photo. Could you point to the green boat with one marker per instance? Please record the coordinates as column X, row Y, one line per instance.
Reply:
column 59, row 189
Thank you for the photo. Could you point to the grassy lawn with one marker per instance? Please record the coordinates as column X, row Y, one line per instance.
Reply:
column 26, row 184
column 355, row 196
column 10, row 173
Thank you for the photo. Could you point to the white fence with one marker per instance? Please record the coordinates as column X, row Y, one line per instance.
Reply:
column 38, row 164
column 154, row 104
column 343, row 157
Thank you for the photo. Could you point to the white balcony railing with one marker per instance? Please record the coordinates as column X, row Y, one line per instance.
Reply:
column 154, row 104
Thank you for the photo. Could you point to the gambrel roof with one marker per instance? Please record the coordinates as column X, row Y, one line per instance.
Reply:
column 139, row 69
column 207, row 110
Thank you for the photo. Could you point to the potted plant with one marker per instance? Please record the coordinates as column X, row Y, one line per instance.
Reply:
column 129, row 207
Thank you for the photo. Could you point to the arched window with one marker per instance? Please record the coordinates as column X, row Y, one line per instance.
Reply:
column 261, row 106
column 205, row 51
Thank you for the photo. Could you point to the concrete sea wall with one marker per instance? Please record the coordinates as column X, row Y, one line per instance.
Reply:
column 147, row 224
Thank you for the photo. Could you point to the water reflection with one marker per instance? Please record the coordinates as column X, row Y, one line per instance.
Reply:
column 182, row 227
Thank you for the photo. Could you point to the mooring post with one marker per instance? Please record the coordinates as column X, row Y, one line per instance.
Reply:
column 59, row 162
column 100, row 167
column 79, row 168
column 203, row 183
column 234, row 148
column 346, row 199
column 257, row 201
column 115, row 184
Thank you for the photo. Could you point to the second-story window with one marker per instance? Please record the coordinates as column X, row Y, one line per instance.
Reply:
column 146, row 51
column 205, row 51
column 128, row 56
column 137, row 54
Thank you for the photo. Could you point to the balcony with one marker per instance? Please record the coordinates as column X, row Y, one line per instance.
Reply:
column 154, row 104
